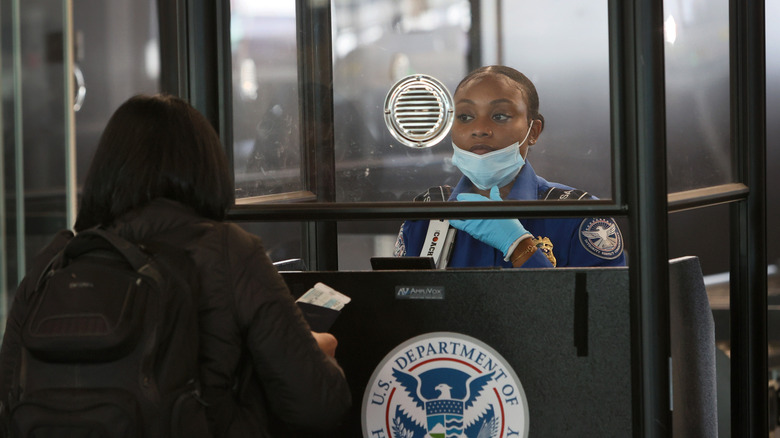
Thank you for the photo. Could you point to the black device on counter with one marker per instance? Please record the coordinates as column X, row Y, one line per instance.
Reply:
column 401, row 263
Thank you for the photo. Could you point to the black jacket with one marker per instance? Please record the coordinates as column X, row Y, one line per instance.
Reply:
column 262, row 374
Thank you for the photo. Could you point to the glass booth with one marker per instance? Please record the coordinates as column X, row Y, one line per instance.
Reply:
column 656, row 108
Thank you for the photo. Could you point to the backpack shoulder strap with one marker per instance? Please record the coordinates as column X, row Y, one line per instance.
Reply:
column 174, row 258
column 51, row 256
column 95, row 237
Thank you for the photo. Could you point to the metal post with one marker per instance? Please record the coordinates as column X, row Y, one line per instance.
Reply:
column 638, row 108
column 69, row 116
column 3, row 218
column 18, row 138
column 749, row 366
column 315, row 67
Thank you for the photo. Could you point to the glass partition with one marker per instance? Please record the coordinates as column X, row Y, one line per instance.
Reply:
column 266, row 128
column 697, row 94
column 699, row 154
column 115, row 55
column 563, row 46
column 377, row 43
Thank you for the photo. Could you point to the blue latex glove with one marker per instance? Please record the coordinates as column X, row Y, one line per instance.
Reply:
column 498, row 233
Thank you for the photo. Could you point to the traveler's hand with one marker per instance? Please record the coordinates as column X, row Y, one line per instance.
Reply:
column 327, row 343
column 498, row 233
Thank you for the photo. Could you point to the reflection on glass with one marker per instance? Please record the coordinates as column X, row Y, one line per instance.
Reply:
column 563, row 47
column 699, row 154
column 358, row 242
column 281, row 240
column 376, row 44
column 697, row 94
column 116, row 55
column 266, row 134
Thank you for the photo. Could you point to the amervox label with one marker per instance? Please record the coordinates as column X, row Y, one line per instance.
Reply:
column 419, row 292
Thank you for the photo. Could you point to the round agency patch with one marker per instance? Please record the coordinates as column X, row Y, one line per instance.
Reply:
column 444, row 385
column 601, row 237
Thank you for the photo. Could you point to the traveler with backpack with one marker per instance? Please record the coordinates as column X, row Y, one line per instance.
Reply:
column 159, row 183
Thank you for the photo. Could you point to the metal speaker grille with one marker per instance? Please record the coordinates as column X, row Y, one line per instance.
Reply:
column 419, row 111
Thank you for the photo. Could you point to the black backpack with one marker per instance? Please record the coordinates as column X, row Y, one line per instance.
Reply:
column 110, row 344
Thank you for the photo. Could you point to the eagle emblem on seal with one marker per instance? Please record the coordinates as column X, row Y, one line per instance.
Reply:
column 601, row 237
column 444, row 401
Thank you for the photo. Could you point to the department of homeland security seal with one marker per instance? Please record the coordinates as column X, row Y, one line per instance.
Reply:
column 444, row 385
column 601, row 237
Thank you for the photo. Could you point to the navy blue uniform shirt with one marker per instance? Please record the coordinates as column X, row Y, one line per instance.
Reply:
column 576, row 241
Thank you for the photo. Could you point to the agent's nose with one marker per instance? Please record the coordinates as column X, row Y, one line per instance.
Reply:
column 479, row 130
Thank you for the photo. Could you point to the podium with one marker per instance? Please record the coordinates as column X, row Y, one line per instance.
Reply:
column 564, row 332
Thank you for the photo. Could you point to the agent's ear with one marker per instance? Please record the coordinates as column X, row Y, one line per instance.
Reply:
column 536, row 131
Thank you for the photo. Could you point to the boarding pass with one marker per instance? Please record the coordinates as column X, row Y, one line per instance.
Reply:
column 325, row 296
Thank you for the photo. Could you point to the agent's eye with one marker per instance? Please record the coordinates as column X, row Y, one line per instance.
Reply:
column 501, row 117
column 463, row 118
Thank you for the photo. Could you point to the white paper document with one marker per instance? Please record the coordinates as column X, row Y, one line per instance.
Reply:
column 325, row 296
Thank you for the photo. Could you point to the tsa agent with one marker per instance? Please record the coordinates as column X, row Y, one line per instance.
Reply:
column 497, row 119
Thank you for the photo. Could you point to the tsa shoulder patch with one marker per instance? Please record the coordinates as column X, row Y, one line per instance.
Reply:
column 601, row 237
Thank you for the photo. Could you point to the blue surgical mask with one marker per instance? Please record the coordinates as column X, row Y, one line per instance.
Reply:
column 497, row 168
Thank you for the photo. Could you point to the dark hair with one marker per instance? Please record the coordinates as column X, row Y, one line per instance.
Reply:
column 526, row 86
column 155, row 147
